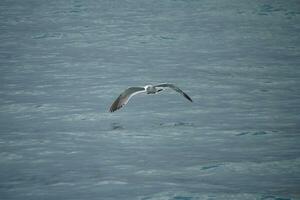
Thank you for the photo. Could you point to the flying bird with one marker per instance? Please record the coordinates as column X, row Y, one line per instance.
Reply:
column 149, row 89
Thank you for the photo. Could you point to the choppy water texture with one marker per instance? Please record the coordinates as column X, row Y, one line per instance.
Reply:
column 62, row 63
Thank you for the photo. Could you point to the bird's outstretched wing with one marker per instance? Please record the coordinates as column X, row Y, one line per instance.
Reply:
column 164, row 85
column 124, row 97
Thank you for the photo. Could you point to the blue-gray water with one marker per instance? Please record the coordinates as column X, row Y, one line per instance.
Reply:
column 62, row 63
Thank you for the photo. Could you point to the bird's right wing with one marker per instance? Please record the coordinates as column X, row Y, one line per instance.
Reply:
column 177, row 89
column 124, row 97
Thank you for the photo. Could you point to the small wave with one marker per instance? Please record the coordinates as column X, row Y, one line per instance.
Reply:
column 62, row 184
column 111, row 182
column 255, row 133
column 193, row 196
column 176, row 124
column 116, row 126
column 47, row 35
column 209, row 167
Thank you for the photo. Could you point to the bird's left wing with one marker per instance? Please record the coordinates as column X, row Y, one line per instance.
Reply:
column 177, row 89
column 124, row 97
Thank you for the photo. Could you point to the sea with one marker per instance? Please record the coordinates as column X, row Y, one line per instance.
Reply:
column 64, row 62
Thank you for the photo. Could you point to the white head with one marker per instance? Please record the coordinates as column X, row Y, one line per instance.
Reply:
column 148, row 87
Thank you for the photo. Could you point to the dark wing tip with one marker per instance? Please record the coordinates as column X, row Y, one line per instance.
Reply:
column 187, row 96
column 116, row 105
column 114, row 108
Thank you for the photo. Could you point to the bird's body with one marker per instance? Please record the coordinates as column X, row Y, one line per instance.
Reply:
column 148, row 89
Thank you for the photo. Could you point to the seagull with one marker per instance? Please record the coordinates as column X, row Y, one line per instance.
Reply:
column 124, row 97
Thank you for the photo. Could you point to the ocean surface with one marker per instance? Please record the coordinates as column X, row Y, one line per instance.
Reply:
column 63, row 63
